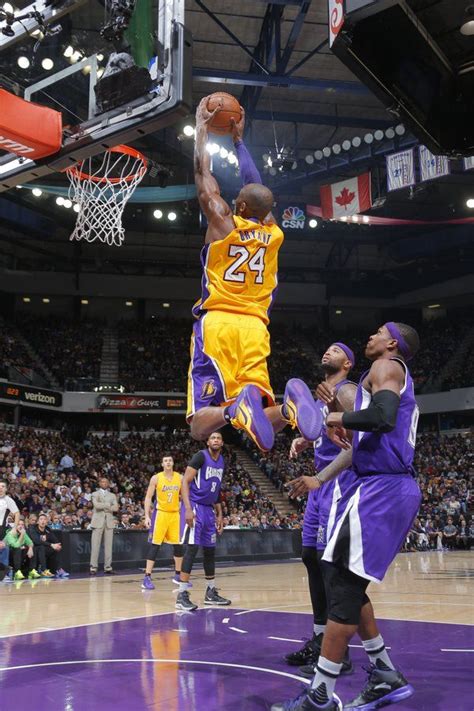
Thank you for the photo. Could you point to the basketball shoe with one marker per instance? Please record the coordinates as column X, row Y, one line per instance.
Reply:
column 382, row 689
column 177, row 581
column 247, row 414
column 47, row 574
column 299, row 408
column 309, row 670
column 306, row 702
column 33, row 575
column 184, row 603
column 212, row 597
column 147, row 583
column 18, row 575
column 308, row 654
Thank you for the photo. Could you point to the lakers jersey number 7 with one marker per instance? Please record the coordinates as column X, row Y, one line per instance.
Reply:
column 240, row 272
column 167, row 492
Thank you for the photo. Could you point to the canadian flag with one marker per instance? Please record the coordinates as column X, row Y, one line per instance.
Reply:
column 349, row 197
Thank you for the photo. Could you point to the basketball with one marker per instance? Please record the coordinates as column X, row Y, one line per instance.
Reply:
column 229, row 108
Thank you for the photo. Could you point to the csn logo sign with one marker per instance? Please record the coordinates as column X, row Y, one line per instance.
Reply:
column 293, row 218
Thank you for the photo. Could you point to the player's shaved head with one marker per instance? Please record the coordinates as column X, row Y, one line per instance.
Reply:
column 254, row 200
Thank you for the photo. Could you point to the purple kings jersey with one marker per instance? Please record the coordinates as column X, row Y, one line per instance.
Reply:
column 325, row 451
column 206, row 485
column 389, row 452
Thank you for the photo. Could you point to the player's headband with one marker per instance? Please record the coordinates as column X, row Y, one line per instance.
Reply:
column 402, row 345
column 347, row 351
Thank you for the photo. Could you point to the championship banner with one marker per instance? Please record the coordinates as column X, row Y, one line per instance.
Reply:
column 349, row 197
column 336, row 18
column 432, row 166
column 400, row 170
column 468, row 163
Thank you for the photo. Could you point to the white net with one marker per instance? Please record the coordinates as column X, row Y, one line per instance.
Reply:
column 101, row 188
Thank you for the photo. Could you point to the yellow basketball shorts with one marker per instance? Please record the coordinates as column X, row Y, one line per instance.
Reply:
column 164, row 527
column 228, row 351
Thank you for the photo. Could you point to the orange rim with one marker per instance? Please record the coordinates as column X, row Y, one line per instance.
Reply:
column 127, row 150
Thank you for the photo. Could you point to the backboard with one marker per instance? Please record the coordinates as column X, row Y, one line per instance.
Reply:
column 87, row 132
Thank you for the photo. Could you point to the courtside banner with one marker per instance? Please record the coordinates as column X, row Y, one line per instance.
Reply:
column 140, row 402
column 400, row 170
column 30, row 396
column 432, row 166
column 346, row 198
column 336, row 18
column 468, row 163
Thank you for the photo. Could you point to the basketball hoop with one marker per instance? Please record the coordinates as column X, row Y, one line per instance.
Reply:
column 101, row 186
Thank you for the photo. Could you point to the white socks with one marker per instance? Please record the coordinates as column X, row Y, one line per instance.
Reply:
column 375, row 648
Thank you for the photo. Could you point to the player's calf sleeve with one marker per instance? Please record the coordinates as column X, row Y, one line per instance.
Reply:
column 152, row 551
column 189, row 556
column 178, row 550
column 316, row 585
column 209, row 561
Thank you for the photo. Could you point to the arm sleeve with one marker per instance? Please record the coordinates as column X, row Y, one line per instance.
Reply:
column 197, row 461
column 379, row 416
column 248, row 170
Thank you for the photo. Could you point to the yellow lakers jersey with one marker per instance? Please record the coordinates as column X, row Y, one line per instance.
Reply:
column 240, row 272
column 167, row 492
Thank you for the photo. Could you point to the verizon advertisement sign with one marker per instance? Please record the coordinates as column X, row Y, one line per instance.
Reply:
column 31, row 396
column 139, row 402
column 336, row 18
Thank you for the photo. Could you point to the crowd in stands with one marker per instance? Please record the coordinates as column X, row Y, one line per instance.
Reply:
column 154, row 354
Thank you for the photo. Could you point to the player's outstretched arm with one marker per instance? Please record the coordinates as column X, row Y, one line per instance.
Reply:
column 214, row 207
column 248, row 170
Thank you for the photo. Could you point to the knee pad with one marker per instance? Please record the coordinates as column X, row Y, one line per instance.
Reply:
column 178, row 550
column 346, row 593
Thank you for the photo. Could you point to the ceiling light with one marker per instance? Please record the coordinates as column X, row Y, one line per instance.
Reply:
column 26, row 299
column 68, row 52
column 223, row 153
column 47, row 64
column 23, row 62
column 400, row 129
column 365, row 219
column 368, row 138
column 100, row 72
column 343, row 218
column 232, row 158
column 338, row 312
column 346, row 145
column 84, row 302
column 356, row 141
column 166, row 305
column 313, row 224
column 68, row 204
column 8, row 8
column 37, row 192
column 188, row 130
column 470, row 203
column 434, row 306
column 378, row 135
column 326, row 152
column 87, row 69
column 76, row 208
column 309, row 159
column 60, row 201
column 129, row 303
column 75, row 57
column 390, row 133
column 294, row 165
column 172, row 216
column 100, row 57
column 355, row 218
column 467, row 27
column 45, row 301
column 318, row 155
column 157, row 214
column 336, row 149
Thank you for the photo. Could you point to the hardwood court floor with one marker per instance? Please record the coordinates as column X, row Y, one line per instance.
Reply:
column 432, row 587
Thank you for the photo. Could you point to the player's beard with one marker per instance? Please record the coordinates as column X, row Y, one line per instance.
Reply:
column 329, row 368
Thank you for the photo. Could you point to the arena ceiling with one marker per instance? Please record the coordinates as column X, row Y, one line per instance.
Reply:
column 307, row 101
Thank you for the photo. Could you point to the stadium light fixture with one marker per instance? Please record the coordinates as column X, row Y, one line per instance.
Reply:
column 188, row 130
column 67, row 204
column 76, row 208
column 294, row 165
column 369, row 138
column 129, row 303
column 336, row 149
column 166, row 305
column 365, row 219
column 68, row 52
column 60, row 201
column 26, row 299
column 84, row 302
column 318, row 155
column 356, row 141
column 100, row 57
column 23, row 62
column 45, row 300
column 470, row 203
column 157, row 214
column 326, row 152
column 346, row 145
column 37, row 192
column 344, row 218
column 47, row 64
column 378, row 135
column 223, row 153
column 8, row 7
column 313, row 223
column 338, row 312
column 434, row 306
column 467, row 27
column 309, row 159
column 390, row 133
column 400, row 129
column 172, row 216
column 355, row 218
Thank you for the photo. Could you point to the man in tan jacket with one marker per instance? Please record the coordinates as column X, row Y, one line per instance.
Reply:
column 103, row 523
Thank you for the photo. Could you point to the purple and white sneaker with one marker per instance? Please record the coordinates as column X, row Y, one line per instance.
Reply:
column 177, row 581
column 147, row 584
column 382, row 689
column 306, row 702
column 247, row 414
column 301, row 409
column 61, row 573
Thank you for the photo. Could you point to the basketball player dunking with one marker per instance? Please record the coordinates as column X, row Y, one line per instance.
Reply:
column 321, row 506
column 228, row 374
column 164, row 522
column 374, row 516
column 201, row 489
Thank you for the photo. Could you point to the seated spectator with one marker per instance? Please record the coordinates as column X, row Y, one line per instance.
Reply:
column 450, row 533
column 124, row 521
column 47, row 549
column 21, row 552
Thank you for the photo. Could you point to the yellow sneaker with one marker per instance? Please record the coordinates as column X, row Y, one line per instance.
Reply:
column 33, row 575
column 47, row 574
column 18, row 575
